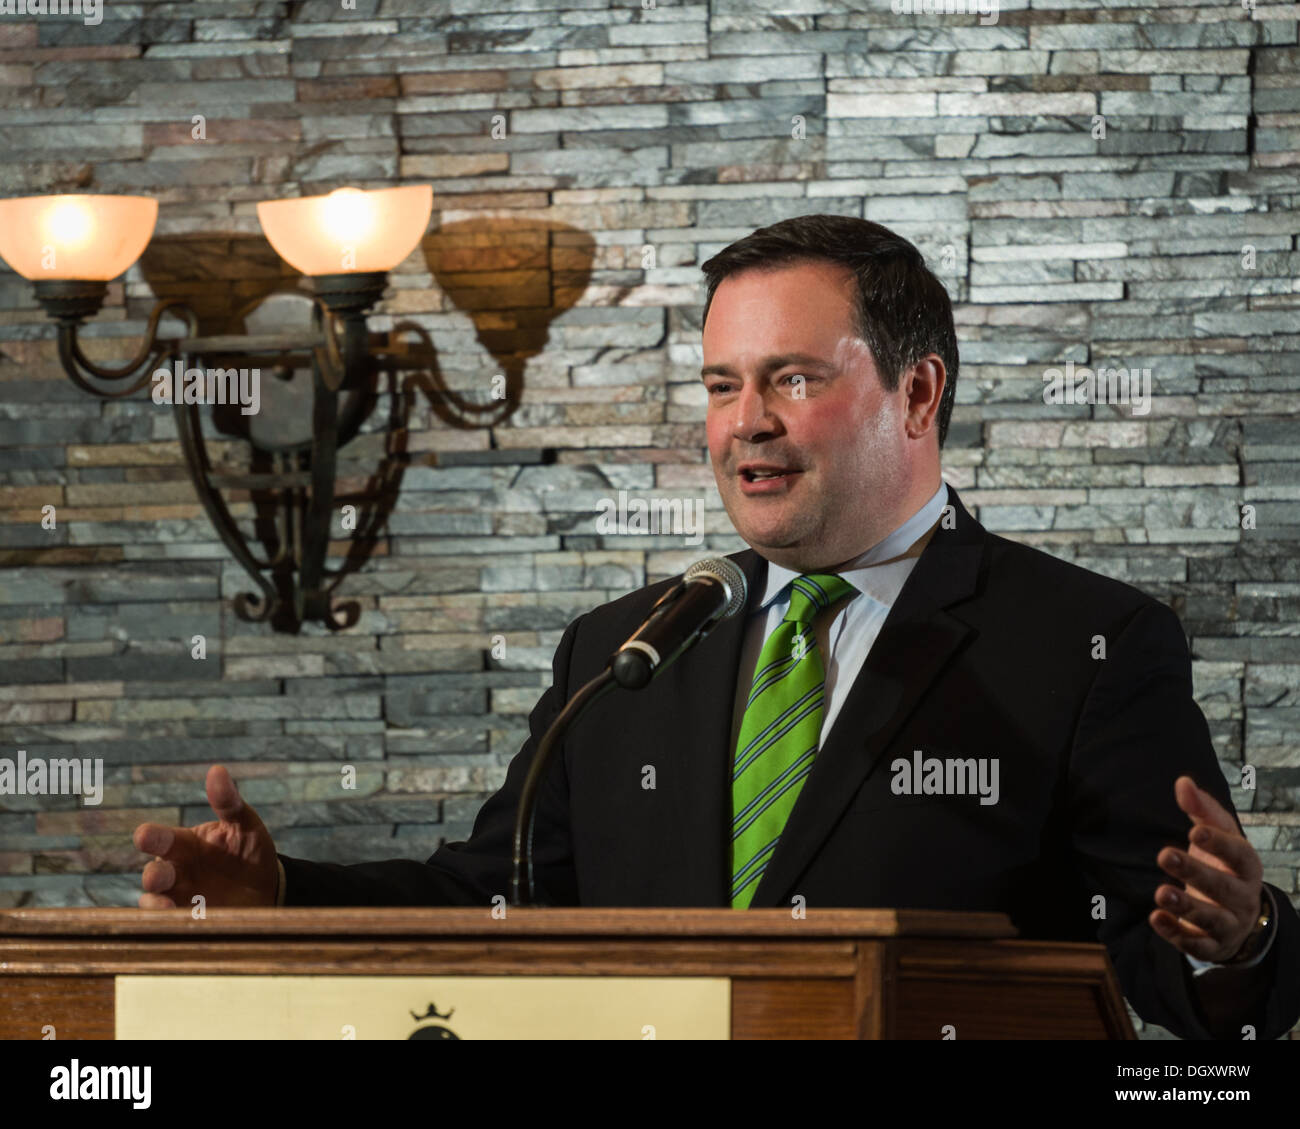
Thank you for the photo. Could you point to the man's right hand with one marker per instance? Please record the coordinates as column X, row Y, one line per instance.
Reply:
column 229, row 861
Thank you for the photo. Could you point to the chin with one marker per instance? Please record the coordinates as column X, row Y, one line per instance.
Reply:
column 759, row 533
column 771, row 544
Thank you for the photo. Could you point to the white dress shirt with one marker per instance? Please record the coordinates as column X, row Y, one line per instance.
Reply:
column 845, row 631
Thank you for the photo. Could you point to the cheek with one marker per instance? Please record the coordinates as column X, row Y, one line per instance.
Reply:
column 848, row 441
column 715, row 432
column 834, row 428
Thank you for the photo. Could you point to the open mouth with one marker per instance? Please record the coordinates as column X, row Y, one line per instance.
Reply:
column 758, row 480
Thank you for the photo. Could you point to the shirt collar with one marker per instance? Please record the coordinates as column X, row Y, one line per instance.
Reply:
column 880, row 581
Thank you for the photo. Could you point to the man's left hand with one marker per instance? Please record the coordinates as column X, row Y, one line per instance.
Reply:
column 1211, row 917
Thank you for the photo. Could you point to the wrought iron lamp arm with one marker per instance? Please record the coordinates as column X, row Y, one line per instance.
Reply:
column 153, row 349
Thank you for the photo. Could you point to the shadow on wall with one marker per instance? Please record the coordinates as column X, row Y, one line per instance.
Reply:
column 220, row 278
column 512, row 277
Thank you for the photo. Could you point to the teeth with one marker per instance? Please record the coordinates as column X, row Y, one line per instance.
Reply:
column 766, row 473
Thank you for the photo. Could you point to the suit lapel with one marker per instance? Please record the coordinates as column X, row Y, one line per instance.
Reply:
column 916, row 641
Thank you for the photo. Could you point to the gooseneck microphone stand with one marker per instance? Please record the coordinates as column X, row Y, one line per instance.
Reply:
column 711, row 590
column 593, row 691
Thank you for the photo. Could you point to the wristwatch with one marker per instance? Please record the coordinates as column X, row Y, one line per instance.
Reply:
column 1255, row 938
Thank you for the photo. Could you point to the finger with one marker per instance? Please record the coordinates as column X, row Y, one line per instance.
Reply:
column 156, row 901
column 225, row 800
column 1209, row 918
column 1201, row 806
column 154, row 838
column 1184, row 938
column 159, row 877
column 1224, row 887
column 176, row 844
column 1229, row 848
column 162, row 883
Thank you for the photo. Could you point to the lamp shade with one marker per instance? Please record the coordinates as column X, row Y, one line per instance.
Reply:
column 84, row 237
column 348, row 230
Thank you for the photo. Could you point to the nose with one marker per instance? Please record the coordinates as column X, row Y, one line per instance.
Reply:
column 754, row 419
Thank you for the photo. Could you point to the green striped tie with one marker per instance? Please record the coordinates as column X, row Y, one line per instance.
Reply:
column 779, row 733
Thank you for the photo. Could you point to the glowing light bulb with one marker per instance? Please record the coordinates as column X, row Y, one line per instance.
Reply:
column 348, row 214
column 69, row 224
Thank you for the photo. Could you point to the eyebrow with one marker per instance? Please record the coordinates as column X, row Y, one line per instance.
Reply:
column 769, row 364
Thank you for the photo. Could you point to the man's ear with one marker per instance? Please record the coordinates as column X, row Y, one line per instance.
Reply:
column 924, row 383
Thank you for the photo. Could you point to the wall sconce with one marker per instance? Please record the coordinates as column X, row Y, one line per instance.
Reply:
column 345, row 242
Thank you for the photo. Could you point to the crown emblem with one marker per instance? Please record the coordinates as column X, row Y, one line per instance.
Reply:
column 432, row 1013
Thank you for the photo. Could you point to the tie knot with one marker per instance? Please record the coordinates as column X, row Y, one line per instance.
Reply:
column 814, row 593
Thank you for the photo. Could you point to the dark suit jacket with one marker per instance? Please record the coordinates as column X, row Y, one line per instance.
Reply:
column 987, row 652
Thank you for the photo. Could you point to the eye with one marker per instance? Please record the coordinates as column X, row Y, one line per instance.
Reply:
column 720, row 386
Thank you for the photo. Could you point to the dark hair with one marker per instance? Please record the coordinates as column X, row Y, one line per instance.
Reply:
column 903, row 310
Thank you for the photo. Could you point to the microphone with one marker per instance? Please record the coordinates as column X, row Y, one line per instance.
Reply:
column 711, row 590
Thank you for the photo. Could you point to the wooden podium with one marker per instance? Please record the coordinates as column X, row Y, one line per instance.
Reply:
column 835, row 974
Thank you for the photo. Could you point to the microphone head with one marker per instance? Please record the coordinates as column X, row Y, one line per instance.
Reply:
column 731, row 576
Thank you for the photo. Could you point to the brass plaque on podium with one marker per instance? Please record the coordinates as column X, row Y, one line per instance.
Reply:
column 423, row 1007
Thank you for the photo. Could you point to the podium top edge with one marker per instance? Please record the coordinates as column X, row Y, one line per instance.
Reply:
column 434, row 921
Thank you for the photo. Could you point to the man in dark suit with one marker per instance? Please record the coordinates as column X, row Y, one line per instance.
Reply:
column 911, row 712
